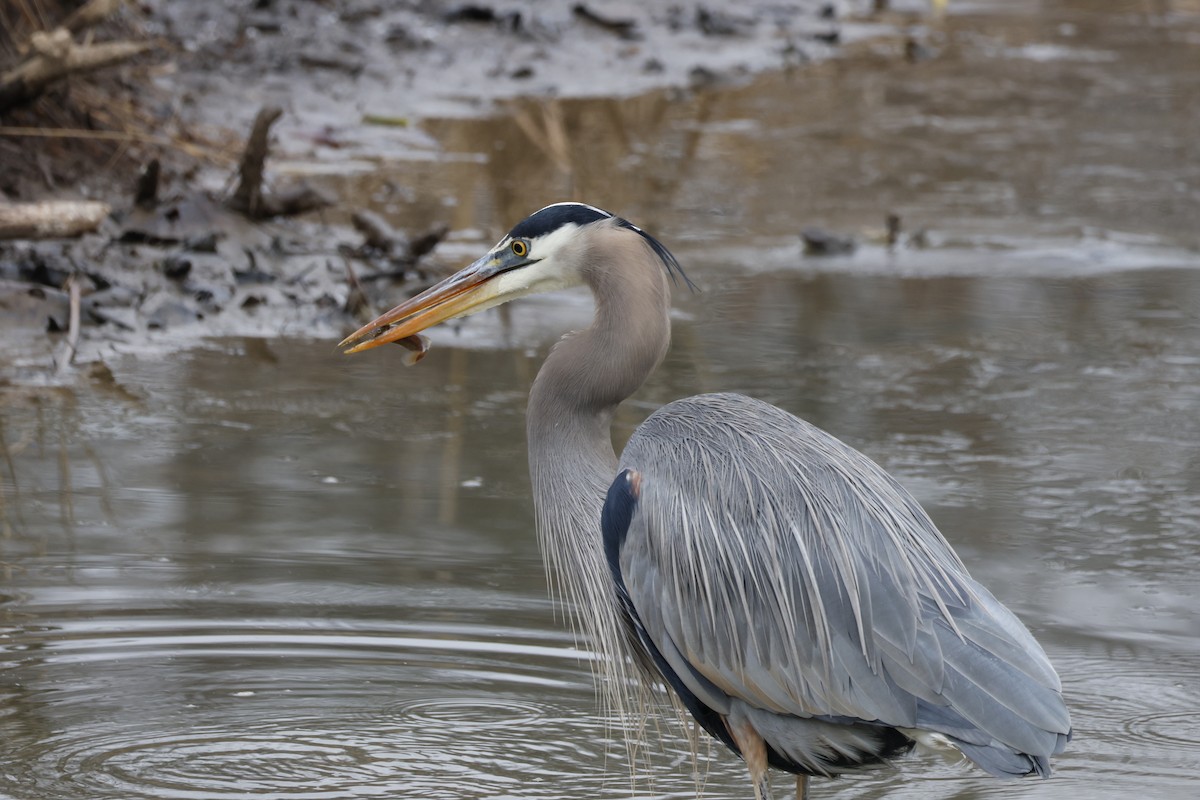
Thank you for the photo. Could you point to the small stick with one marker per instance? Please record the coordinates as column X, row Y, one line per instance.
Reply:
column 356, row 300
column 72, row 327
column 248, row 196
column 145, row 194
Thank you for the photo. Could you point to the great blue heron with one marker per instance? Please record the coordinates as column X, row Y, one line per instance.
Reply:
column 796, row 598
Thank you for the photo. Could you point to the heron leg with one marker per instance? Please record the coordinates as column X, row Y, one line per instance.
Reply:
column 801, row 787
column 754, row 753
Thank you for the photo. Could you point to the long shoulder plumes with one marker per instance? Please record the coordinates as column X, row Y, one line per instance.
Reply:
column 815, row 599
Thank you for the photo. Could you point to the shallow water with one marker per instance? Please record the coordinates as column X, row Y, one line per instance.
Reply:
column 258, row 568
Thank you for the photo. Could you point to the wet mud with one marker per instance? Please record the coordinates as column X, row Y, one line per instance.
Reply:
column 351, row 86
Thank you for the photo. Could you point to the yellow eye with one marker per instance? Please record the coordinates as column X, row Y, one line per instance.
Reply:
column 519, row 248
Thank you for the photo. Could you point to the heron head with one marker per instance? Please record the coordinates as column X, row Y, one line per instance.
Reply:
column 545, row 251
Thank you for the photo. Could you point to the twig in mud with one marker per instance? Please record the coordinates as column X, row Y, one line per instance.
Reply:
column 893, row 224
column 356, row 301
column 248, row 196
column 52, row 219
column 145, row 193
column 68, row 353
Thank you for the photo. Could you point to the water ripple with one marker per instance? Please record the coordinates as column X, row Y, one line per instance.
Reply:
column 469, row 714
column 218, row 764
column 229, row 704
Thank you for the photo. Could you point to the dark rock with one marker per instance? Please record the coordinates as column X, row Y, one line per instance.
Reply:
column 211, row 298
column 820, row 242
column 112, row 297
column 202, row 243
column 425, row 243
column 720, row 23
column 264, row 23
column 333, row 61
column 252, row 274
column 471, row 13
column 176, row 267
column 401, row 37
column 702, row 78
column 620, row 26
column 916, row 52
column 377, row 234
column 46, row 269
column 477, row 12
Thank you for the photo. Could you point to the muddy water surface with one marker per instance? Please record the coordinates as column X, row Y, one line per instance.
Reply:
column 258, row 568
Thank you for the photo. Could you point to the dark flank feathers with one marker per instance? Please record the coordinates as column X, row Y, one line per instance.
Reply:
column 615, row 518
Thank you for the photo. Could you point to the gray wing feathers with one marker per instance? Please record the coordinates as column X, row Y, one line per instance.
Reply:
column 776, row 565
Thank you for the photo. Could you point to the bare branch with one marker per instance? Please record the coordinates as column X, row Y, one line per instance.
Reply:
column 92, row 13
column 55, row 57
column 50, row 220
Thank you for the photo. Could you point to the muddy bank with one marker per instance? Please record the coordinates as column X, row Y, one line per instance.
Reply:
column 354, row 80
column 369, row 61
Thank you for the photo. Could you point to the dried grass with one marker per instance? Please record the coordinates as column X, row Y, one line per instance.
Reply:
column 95, row 122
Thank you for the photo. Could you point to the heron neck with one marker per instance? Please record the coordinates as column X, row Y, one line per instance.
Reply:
column 590, row 372
column 571, row 457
